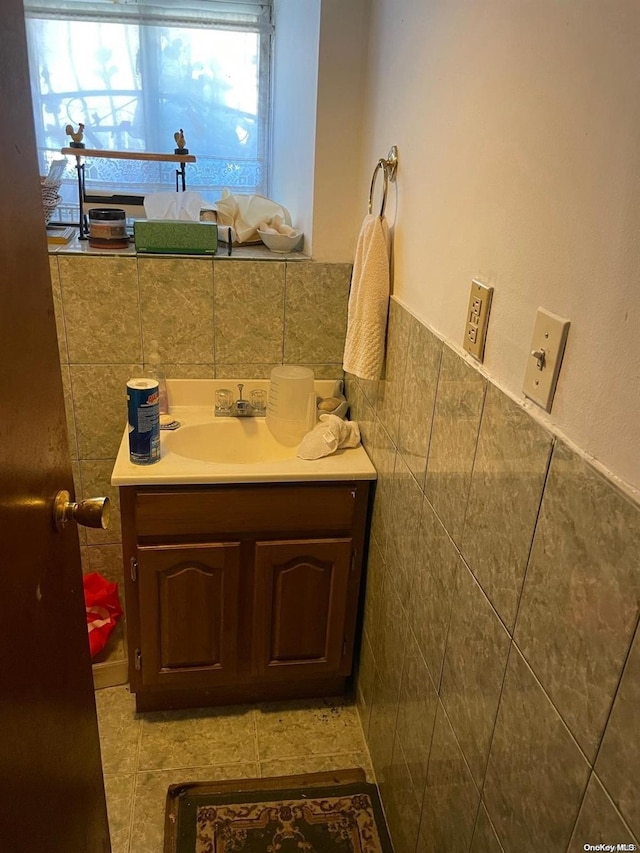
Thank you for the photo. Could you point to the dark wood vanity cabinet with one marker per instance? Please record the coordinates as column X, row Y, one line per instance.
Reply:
column 239, row 593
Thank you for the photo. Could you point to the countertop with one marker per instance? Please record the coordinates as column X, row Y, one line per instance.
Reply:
column 186, row 398
column 246, row 252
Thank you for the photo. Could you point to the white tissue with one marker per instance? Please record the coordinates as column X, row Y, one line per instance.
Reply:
column 173, row 205
column 329, row 435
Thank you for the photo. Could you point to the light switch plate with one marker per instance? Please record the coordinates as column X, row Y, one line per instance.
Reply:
column 475, row 330
column 545, row 357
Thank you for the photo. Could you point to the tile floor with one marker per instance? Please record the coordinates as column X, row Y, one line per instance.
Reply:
column 142, row 754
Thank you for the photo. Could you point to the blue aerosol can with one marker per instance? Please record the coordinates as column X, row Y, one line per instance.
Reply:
column 144, row 421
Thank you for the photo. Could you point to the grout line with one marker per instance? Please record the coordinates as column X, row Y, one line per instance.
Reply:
column 134, row 788
column 73, row 418
column 458, row 744
column 583, row 799
column 256, row 741
column 132, row 805
column 475, row 819
column 440, row 706
column 62, row 311
column 483, row 407
column 140, row 323
column 181, row 768
column 433, row 728
column 495, row 724
column 552, row 703
column 214, row 335
column 139, row 744
column 481, row 804
column 533, row 535
column 431, row 418
column 400, row 384
column 615, row 808
column 284, row 313
column 566, row 727
column 635, row 637
column 363, row 737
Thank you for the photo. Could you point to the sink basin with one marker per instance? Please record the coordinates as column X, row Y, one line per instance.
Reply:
column 231, row 441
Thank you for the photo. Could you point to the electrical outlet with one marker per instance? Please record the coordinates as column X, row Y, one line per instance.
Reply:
column 545, row 357
column 477, row 319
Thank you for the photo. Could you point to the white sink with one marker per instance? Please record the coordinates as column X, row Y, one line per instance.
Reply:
column 234, row 441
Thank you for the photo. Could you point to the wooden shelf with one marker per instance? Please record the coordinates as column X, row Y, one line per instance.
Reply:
column 130, row 155
column 119, row 199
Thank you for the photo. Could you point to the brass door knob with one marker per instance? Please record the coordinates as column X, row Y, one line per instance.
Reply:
column 94, row 512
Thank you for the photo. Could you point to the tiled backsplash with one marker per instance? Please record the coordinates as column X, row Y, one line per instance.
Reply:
column 499, row 682
column 233, row 318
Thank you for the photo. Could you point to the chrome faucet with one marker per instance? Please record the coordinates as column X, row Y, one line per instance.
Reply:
column 241, row 408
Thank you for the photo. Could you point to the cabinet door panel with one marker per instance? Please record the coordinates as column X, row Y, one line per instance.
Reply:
column 301, row 592
column 191, row 594
column 189, row 613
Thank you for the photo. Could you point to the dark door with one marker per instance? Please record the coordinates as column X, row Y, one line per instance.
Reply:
column 51, row 787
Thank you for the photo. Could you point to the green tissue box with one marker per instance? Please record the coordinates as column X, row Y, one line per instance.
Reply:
column 175, row 236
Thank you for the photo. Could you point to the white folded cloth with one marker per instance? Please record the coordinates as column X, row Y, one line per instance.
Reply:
column 329, row 435
column 245, row 213
column 368, row 301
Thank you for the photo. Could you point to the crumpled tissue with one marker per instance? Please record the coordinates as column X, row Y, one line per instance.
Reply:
column 244, row 213
column 329, row 435
column 173, row 205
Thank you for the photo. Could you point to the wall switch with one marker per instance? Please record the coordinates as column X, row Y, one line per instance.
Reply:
column 477, row 319
column 545, row 357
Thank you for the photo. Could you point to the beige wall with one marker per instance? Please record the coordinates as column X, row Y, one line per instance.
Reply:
column 318, row 99
column 338, row 150
column 500, row 664
column 294, row 108
column 518, row 129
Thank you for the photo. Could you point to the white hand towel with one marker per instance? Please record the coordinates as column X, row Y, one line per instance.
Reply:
column 368, row 301
column 329, row 435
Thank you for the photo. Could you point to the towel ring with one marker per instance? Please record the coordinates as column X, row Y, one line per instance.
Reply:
column 389, row 170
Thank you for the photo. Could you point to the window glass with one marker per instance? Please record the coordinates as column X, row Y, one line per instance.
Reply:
column 134, row 84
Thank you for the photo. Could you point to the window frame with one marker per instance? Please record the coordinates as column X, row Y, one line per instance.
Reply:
column 262, row 26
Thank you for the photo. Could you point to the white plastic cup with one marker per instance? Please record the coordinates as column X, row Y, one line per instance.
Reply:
column 291, row 409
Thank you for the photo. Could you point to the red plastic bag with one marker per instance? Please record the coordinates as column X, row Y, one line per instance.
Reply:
column 103, row 609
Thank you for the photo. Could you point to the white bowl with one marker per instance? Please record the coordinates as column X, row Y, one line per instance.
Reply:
column 280, row 242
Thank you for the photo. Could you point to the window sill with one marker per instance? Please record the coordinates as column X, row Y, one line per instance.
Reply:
column 251, row 252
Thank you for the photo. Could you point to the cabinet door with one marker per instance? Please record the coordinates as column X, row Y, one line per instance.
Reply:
column 189, row 614
column 300, row 603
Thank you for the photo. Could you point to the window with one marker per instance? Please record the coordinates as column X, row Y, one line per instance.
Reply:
column 135, row 72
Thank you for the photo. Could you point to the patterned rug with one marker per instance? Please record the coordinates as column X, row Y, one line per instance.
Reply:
column 336, row 812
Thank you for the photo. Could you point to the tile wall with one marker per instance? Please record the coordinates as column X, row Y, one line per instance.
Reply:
column 499, row 681
column 211, row 318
